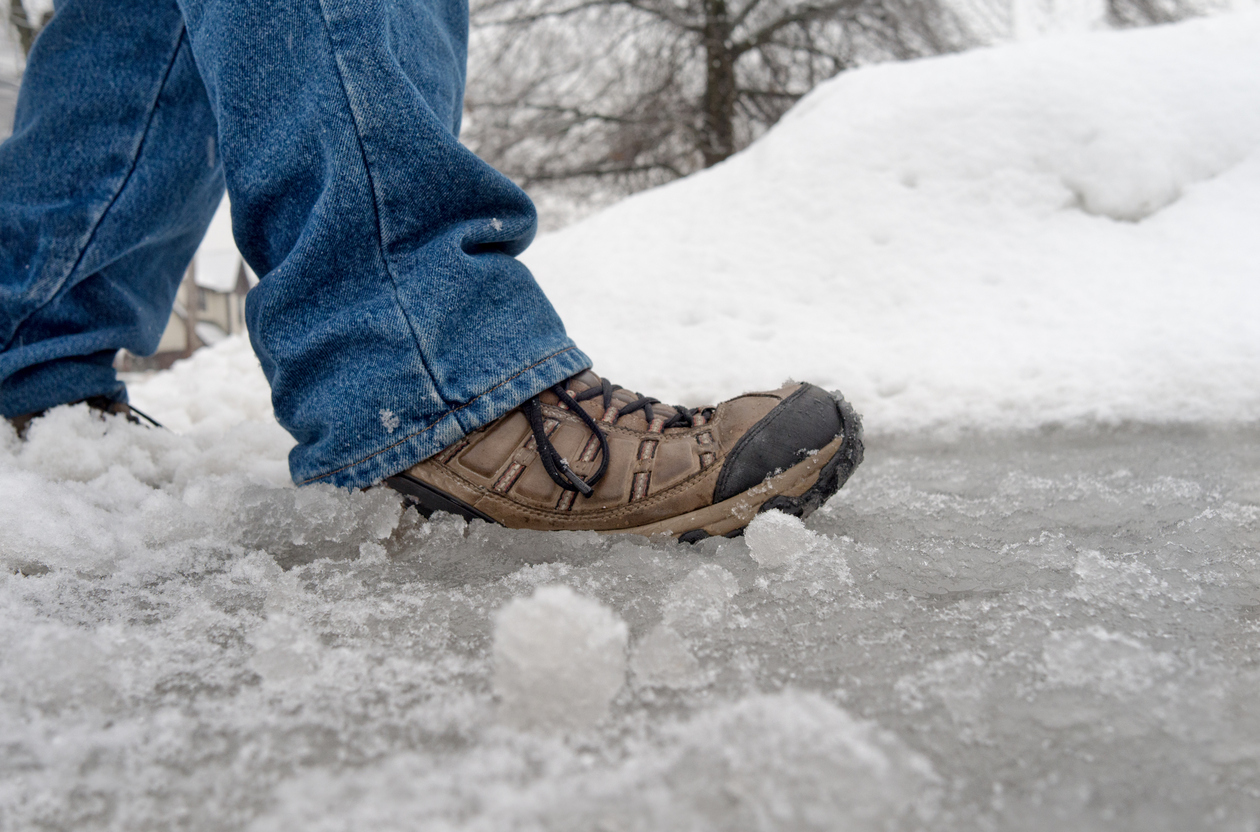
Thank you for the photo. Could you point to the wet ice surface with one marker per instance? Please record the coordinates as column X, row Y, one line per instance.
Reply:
column 1053, row 630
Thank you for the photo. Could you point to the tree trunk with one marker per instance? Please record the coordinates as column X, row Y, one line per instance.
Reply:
column 717, row 140
column 27, row 29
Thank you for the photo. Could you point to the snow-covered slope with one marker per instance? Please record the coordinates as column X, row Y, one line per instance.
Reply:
column 1044, row 232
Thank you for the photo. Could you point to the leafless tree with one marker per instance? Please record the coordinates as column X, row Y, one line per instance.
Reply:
column 1125, row 13
column 631, row 93
column 26, row 27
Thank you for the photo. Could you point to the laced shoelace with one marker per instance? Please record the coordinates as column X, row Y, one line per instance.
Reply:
column 126, row 410
column 557, row 466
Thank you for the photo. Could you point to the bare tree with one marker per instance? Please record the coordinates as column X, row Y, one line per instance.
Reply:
column 1125, row 13
column 27, row 29
column 631, row 93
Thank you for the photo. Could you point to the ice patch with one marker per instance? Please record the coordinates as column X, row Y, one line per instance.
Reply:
column 663, row 659
column 789, row 762
column 237, row 651
column 959, row 682
column 700, row 600
column 559, row 659
column 1096, row 659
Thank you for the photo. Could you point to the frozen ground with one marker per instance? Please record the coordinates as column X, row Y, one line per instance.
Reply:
column 1036, row 605
column 1054, row 630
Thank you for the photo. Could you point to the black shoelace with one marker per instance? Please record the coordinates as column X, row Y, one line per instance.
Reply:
column 107, row 405
column 557, row 466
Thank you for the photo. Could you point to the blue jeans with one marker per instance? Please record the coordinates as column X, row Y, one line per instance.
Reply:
column 392, row 316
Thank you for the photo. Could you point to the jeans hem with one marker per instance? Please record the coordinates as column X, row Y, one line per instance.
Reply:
column 65, row 380
column 400, row 454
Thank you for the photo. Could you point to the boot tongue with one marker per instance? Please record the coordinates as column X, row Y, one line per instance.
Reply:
column 582, row 381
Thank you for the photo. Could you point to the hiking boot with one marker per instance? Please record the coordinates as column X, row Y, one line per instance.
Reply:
column 589, row 455
column 102, row 405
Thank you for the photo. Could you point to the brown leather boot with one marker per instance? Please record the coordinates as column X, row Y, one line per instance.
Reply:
column 590, row 455
column 102, row 405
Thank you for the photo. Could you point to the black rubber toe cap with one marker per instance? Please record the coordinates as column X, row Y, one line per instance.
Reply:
column 805, row 421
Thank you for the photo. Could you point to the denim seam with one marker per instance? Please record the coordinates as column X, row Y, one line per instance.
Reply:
column 439, row 420
column 122, row 186
column 376, row 209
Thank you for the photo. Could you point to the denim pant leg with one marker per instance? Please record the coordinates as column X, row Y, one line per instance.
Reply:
column 106, row 187
column 392, row 316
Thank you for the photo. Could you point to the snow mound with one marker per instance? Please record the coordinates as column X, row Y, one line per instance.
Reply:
column 1053, row 232
column 559, row 659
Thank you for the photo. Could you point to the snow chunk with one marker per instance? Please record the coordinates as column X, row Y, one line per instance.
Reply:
column 214, row 390
column 286, row 651
column 559, row 659
column 776, row 539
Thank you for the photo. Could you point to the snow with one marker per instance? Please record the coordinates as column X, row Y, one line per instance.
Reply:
column 559, row 659
column 1057, row 232
column 981, row 634
column 776, row 539
column 1045, row 617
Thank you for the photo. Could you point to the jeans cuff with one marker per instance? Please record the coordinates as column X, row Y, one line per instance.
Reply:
column 58, row 382
column 396, row 455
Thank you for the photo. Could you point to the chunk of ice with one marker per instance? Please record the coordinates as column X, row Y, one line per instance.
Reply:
column 559, row 659
column 776, row 539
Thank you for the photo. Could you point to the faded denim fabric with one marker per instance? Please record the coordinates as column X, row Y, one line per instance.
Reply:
column 392, row 316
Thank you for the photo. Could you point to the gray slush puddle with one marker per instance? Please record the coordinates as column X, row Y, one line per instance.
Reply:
column 1057, row 630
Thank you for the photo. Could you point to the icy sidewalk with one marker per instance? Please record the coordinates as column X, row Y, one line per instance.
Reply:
column 1051, row 630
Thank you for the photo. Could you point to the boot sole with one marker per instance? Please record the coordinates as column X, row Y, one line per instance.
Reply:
column 798, row 491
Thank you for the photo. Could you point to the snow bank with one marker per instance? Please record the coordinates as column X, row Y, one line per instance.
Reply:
column 1040, row 233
